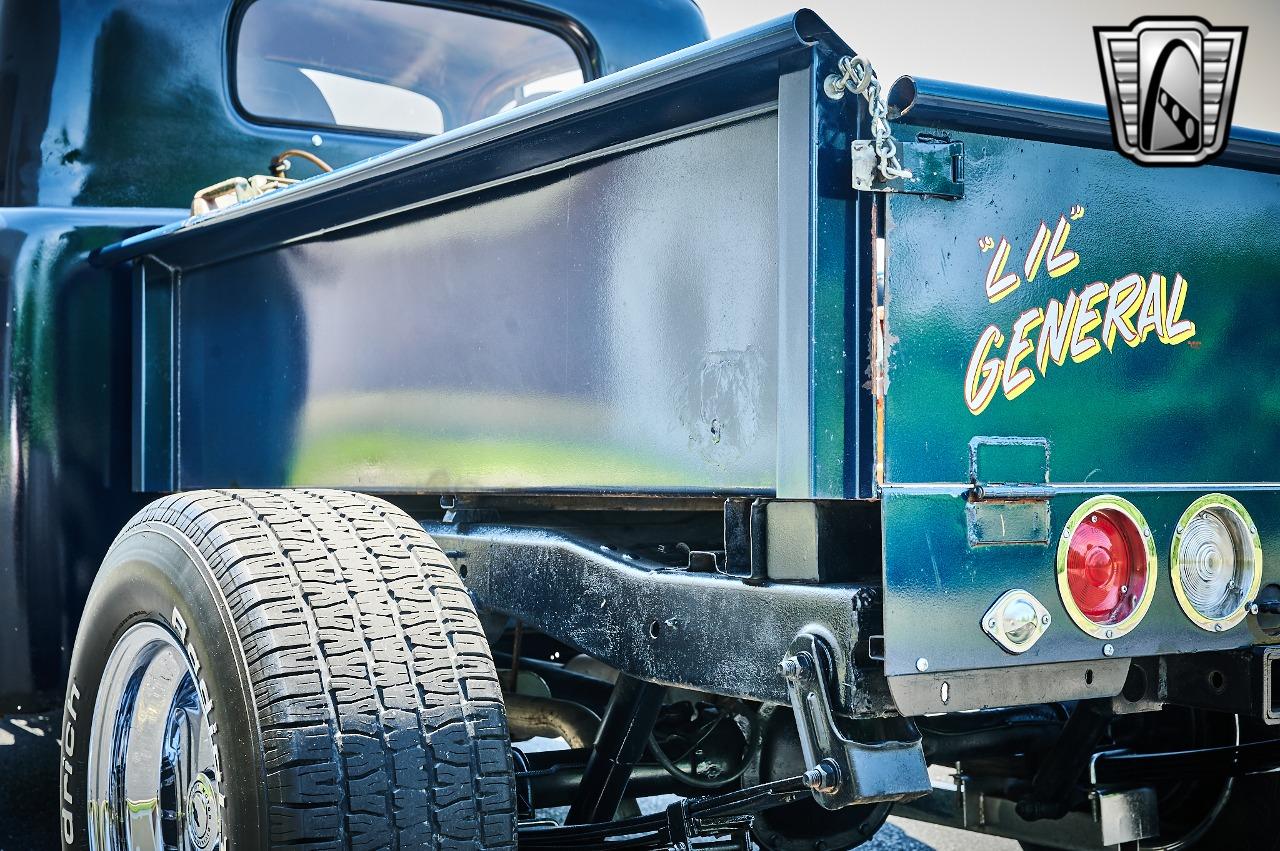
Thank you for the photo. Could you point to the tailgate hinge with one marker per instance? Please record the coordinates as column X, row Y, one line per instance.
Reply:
column 934, row 168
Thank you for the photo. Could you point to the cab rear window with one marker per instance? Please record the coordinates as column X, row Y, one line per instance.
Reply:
column 391, row 67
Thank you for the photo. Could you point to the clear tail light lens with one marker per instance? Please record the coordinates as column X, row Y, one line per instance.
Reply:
column 1216, row 562
column 1106, row 567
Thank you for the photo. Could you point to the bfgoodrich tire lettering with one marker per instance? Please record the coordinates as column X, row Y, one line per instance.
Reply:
column 351, row 693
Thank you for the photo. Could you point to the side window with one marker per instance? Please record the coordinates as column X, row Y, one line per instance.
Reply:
column 389, row 66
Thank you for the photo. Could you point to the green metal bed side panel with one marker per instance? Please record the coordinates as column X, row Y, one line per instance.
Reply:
column 1194, row 402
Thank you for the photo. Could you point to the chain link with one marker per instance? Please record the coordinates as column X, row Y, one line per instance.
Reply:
column 857, row 76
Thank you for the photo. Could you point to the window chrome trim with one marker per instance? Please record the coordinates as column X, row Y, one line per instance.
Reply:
column 566, row 29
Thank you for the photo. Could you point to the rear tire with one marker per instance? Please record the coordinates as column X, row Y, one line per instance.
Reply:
column 323, row 648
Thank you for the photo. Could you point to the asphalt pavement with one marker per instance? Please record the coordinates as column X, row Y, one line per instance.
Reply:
column 28, row 783
column 29, row 799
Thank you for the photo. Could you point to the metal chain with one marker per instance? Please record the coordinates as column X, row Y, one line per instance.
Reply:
column 857, row 76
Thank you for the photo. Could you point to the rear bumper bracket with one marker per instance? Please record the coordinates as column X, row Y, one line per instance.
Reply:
column 864, row 773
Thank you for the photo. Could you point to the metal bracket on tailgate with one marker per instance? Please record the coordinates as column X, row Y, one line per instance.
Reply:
column 859, row 773
column 885, row 164
column 934, row 168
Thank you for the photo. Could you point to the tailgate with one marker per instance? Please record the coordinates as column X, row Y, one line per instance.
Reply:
column 1139, row 306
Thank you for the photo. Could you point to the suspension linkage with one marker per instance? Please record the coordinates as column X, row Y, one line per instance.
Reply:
column 683, row 822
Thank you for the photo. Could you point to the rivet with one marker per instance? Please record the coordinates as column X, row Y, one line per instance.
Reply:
column 1111, row 634
column 1217, row 627
column 1045, row 619
column 1124, row 589
column 991, row 624
column 1108, row 650
column 922, row 664
column 316, row 140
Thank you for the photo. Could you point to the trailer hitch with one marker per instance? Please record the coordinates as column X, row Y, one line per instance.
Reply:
column 853, row 772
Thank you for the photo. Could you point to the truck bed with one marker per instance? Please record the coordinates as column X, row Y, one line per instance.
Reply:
column 664, row 283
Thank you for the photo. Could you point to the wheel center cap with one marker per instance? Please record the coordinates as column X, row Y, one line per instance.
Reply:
column 204, row 824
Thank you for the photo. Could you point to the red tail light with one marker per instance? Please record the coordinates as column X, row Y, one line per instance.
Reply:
column 1106, row 567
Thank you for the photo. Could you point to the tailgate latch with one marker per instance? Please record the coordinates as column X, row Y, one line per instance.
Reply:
column 932, row 168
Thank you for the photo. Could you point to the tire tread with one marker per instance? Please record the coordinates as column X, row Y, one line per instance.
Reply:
column 380, row 711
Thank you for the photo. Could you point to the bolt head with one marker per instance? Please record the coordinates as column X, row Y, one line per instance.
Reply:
column 1108, row 650
column 1046, row 619
column 922, row 664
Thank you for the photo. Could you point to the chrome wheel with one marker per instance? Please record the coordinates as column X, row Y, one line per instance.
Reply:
column 152, row 779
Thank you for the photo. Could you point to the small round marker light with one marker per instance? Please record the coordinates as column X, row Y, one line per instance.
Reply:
column 1020, row 621
column 1016, row 620
column 1106, row 567
column 1216, row 562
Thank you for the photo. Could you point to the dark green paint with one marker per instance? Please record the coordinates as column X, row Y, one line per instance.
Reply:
column 938, row 586
column 111, row 109
column 1155, row 413
column 1197, row 416
column 127, row 102
column 999, row 522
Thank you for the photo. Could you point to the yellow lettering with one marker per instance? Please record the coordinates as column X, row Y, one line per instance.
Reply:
column 983, row 375
column 1016, row 379
column 1123, row 303
column 1177, row 329
column 1058, row 320
column 1151, row 314
column 1083, row 346
column 1061, row 259
column 998, row 283
column 1038, row 247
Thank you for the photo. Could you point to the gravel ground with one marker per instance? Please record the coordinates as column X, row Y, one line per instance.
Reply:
column 29, row 813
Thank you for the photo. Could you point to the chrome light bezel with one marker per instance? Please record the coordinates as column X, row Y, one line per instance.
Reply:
column 993, row 621
column 1127, row 510
column 1248, row 530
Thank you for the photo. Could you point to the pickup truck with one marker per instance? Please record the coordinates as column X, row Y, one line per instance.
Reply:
column 801, row 446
